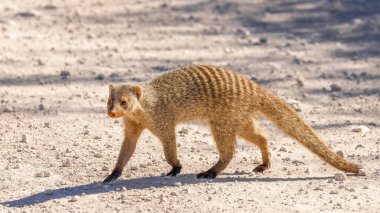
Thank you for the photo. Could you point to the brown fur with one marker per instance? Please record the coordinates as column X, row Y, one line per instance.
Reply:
column 225, row 100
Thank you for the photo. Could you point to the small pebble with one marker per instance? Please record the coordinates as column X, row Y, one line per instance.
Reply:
column 7, row 109
column 39, row 174
column 24, row 139
column 74, row 198
column 162, row 199
column 26, row 14
column 333, row 192
column 98, row 155
column 361, row 129
column 263, row 40
column 40, row 62
column 41, row 107
column 64, row 74
column 340, row 176
column 114, row 75
column 105, row 168
column 237, row 172
column 66, row 163
column 335, row 88
column 177, row 184
column 362, row 172
column 173, row 193
column 340, row 153
column 100, row 77
column 48, row 192
column 295, row 104
column 282, row 149
column 243, row 32
column 183, row 131
column 301, row 81
column 257, row 161
column 47, row 124
column 123, row 197
column 359, row 146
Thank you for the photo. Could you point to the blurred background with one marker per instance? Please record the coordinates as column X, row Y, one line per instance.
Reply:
column 119, row 40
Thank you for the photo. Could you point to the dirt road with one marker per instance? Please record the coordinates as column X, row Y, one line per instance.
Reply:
column 57, row 143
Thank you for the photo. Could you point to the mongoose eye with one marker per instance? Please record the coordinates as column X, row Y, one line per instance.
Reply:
column 123, row 104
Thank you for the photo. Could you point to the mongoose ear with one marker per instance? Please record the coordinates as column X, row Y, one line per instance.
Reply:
column 110, row 87
column 137, row 90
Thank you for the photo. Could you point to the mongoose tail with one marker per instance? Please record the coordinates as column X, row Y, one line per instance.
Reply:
column 288, row 120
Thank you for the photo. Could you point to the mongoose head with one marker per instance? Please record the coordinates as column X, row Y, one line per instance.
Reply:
column 123, row 99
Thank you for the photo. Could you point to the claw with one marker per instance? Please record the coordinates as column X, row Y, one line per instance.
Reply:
column 261, row 168
column 112, row 177
column 207, row 175
column 174, row 172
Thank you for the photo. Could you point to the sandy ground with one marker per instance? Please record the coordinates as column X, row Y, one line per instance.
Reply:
column 57, row 143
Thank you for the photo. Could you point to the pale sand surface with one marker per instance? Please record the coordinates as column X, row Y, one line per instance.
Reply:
column 71, row 145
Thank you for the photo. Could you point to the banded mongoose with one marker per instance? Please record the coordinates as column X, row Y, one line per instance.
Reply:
column 225, row 100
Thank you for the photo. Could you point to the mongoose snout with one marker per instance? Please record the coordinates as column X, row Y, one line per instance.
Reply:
column 115, row 114
column 111, row 114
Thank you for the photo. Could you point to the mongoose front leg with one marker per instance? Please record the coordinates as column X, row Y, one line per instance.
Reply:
column 167, row 138
column 132, row 133
column 225, row 142
column 253, row 134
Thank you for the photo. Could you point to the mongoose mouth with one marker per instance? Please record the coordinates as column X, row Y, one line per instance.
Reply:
column 115, row 115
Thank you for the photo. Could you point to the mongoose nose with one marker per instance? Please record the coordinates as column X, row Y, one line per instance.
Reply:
column 111, row 114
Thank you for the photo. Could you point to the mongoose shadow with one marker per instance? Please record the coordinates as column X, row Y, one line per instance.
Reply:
column 139, row 184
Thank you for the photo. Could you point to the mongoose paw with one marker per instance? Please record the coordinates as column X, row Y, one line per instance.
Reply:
column 207, row 175
column 174, row 172
column 112, row 177
column 261, row 168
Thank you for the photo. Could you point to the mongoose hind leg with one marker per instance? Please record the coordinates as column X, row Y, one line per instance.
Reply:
column 225, row 141
column 167, row 137
column 252, row 133
column 132, row 132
